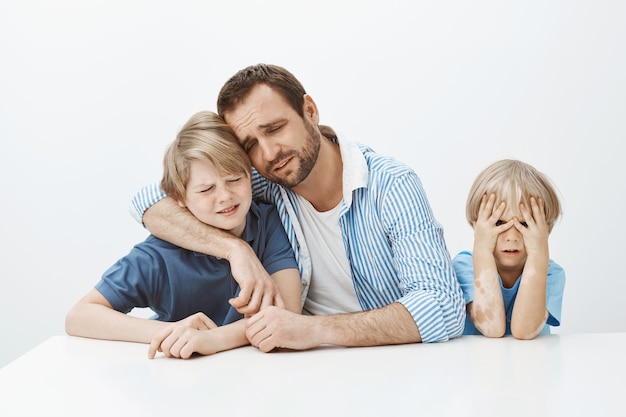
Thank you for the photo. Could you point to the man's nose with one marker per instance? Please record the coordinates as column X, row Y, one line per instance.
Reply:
column 269, row 149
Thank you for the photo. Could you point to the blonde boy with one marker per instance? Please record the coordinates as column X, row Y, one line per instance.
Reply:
column 510, row 284
column 206, row 171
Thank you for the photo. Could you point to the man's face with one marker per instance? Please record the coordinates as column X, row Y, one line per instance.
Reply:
column 282, row 146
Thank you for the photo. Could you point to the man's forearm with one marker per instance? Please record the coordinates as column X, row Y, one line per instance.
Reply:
column 172, row 223
column 392, row 324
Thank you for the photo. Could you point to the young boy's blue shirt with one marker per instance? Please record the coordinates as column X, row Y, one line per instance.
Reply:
column 176, row 283
column 464, row 268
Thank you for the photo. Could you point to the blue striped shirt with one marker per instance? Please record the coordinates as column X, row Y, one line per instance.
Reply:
column 394, row 244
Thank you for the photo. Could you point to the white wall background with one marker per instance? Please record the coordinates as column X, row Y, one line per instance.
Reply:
column 91, row 93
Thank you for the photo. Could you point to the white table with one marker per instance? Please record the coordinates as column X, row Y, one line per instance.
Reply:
column 569, row 375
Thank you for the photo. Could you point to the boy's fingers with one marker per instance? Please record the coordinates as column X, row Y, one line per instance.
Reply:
column 538, row 209
column 155, row 346
column 498, row 212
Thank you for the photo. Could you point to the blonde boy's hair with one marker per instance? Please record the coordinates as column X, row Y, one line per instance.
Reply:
column 205, row 137
column 514, row 182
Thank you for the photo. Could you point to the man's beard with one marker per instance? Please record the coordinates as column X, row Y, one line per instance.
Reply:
column 307, row 156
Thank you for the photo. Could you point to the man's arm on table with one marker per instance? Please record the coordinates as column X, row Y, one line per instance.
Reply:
column 276, row 328
column 168, row 221
column 431, row 308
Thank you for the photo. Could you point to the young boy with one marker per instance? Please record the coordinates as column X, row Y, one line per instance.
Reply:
column 510, row 284
column 206, row 171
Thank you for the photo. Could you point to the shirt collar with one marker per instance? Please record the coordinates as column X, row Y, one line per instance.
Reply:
column 355, row 171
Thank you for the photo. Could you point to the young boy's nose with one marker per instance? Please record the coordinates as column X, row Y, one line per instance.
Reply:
column 223, row 193
column 511, row 234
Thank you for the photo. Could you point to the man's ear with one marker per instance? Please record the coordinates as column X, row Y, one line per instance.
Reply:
column 310, row 109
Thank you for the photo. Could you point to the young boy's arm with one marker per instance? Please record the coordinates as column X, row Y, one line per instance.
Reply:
column 529, row 312
column 182, row 341
column 94, row 317
column 487, row 309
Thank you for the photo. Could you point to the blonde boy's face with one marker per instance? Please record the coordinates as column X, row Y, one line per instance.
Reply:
column 219, row 200
column 510, row 252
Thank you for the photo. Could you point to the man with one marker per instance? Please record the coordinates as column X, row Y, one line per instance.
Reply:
column 374, row 264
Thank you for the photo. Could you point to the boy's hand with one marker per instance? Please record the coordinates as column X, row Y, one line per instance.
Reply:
column 198, row 321
column 536, row 234
column 175, row 341
column 178, row 339
column 486, row 229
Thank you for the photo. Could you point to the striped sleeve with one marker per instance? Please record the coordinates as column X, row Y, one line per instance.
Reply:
column 431, row 292
column 144, row 199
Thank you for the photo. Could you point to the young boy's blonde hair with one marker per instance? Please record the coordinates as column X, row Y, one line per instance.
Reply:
column 514, row 182
column 205, row 137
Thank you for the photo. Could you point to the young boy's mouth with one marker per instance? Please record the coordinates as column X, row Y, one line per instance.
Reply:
column 229, row 210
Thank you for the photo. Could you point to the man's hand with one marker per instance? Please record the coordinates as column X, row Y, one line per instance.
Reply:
column 278, row 328
column 180, row 339
column 257, row 288
column 486, row 228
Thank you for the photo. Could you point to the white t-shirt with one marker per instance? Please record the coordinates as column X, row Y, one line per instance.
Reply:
column 331, row 290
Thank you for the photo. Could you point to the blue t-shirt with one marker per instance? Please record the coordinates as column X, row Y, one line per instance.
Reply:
column 176, row 283
column 464, row 268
